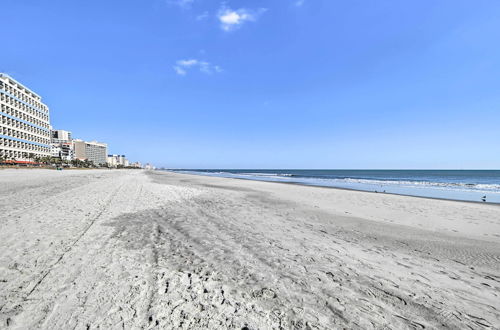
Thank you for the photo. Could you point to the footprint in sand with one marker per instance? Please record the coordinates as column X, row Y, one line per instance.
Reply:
column 264, row 293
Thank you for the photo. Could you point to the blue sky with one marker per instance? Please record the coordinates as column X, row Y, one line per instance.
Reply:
column 267, row 84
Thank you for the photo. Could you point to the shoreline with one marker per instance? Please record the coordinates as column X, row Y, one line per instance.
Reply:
column 341, row 188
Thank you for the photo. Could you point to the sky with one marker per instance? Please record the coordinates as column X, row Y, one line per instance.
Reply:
column 329, row 84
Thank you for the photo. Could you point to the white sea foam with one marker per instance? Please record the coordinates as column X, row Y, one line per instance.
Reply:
column 343, row 181
column 267, row 174
column 370, row 182
column 416, row 184
column 450, row 190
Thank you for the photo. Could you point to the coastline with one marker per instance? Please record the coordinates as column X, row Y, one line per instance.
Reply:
column 343, row 188
column 155, row 249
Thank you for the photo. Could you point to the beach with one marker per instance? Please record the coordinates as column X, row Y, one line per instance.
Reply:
column 134, row 249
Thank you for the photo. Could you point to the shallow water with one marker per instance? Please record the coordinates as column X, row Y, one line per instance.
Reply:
column 467, row 185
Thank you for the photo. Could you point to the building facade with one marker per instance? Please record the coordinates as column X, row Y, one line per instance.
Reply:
column 117, row 160
column 62, row 145
column 136, row 165
column 24, row 122
column 94, row 151
column 59, row 135
column 62, row 150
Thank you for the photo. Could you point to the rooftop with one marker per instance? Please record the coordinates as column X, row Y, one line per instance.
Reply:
column 18, row 84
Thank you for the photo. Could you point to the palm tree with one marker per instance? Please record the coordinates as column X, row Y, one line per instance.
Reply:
column 76, row 162
column 46, row 160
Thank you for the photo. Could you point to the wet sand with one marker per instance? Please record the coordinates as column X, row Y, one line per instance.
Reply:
column 135, row 249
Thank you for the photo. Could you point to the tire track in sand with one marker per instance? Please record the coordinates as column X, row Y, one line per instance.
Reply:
column 70, row 247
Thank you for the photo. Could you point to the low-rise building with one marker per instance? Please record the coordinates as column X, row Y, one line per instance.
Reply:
column 63, row 150
column 136, row 165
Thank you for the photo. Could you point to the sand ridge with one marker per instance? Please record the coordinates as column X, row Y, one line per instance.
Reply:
column 136, row 249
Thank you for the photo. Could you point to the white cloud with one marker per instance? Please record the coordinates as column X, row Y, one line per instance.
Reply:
column 299, row 3
column 182, row 67
column 180, row 71
column 187, row 63
column 232, row 19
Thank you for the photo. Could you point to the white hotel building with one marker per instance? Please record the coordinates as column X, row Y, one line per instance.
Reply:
column 62, row 145
column 24, row 122
column 117, row 160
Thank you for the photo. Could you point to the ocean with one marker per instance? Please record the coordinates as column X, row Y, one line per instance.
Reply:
column 467, row 185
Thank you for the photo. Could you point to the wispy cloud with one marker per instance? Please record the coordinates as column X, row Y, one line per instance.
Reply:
column 232, row 19
column 179, row 70
column 299, row 3
column 202, row 16
column 183, row 66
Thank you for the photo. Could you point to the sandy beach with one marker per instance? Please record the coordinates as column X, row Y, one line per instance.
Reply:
column 114, row 249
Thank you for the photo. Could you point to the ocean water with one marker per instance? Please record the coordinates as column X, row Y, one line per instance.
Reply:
column 468, row 185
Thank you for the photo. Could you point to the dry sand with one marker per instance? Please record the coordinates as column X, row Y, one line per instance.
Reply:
column 134, row 249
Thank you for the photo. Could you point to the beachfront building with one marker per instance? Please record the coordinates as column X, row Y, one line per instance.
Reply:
column 93, row 151
column 136, row 165
column 62, row 145
column 62, row 150
column 24, row 122
column 117, row 160
column 59, row 135
column 112, row 161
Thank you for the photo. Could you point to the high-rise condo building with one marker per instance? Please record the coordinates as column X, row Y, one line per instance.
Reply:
column 62, row 145
column 94, row 151
column 117, row 160
column 59, row 135
column 24, row 122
